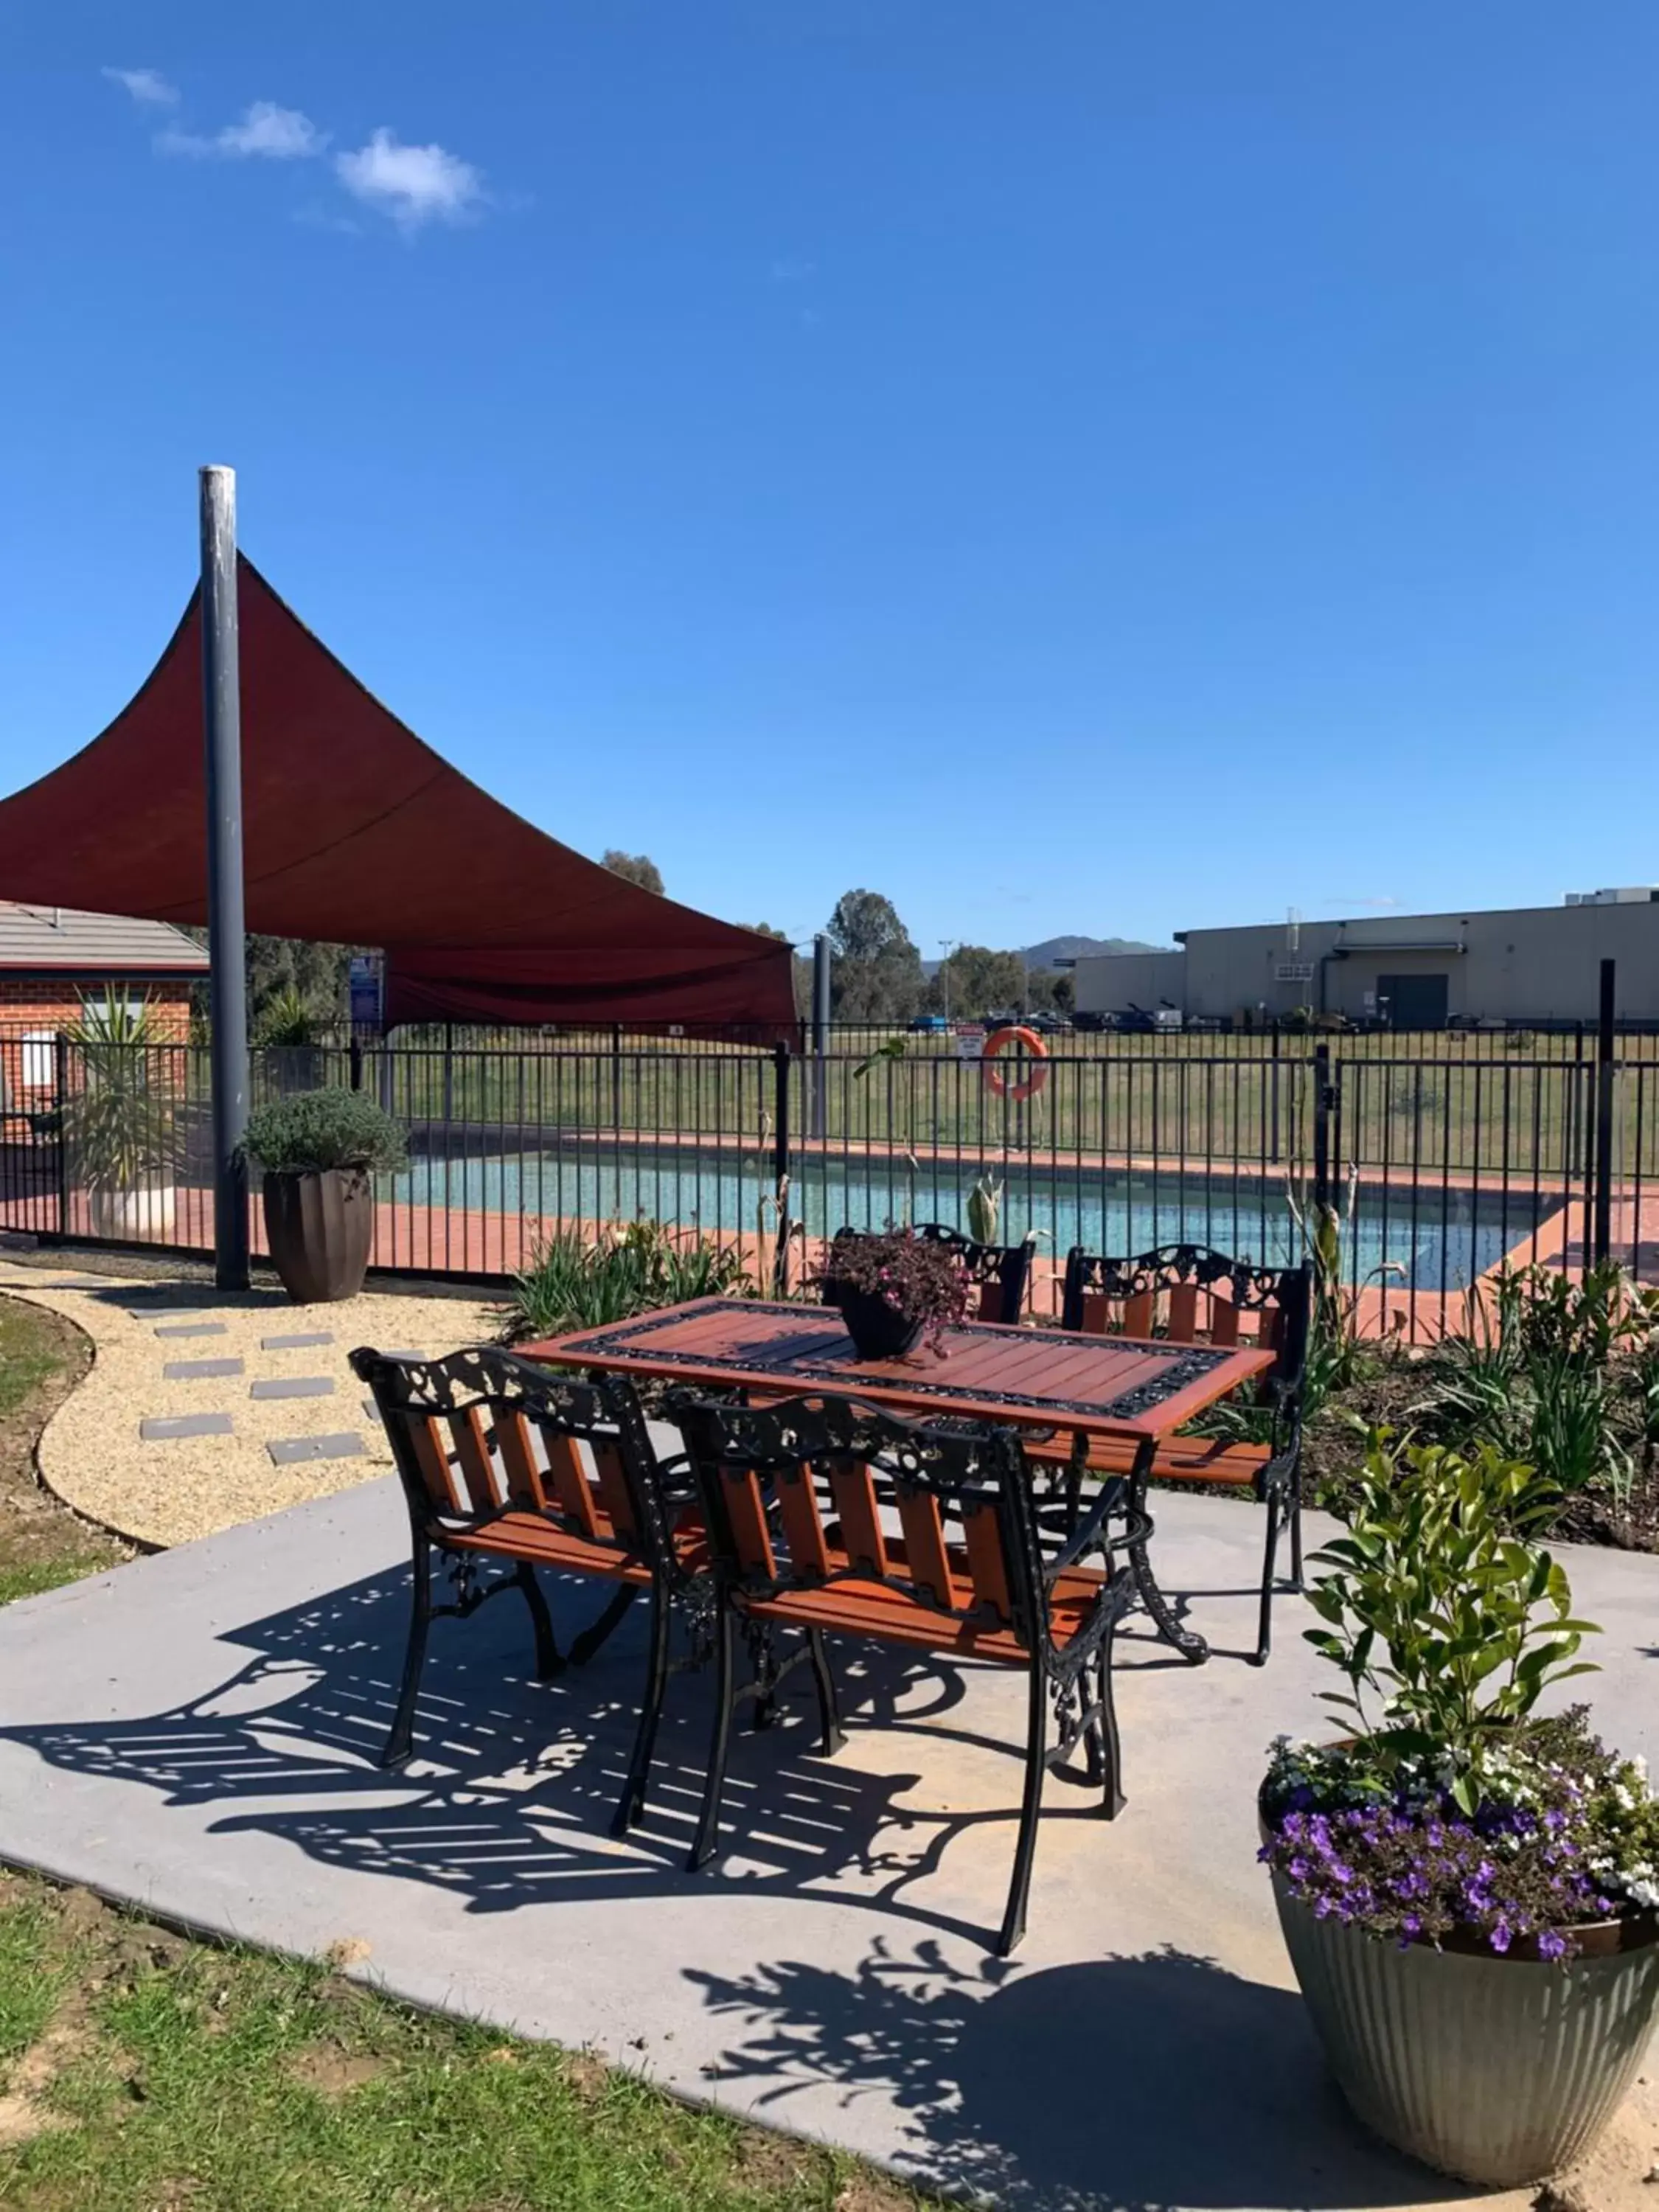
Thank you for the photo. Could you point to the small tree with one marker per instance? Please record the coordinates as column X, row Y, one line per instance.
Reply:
column 877, row 972
column 974, row 980
column 635, row 868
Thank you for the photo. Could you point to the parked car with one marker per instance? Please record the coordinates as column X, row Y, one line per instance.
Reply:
column 930, row 1025
column 1092, row 1020
column 1046, row 1022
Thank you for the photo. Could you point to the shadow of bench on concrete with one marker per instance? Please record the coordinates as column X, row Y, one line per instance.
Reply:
column 509, row 1799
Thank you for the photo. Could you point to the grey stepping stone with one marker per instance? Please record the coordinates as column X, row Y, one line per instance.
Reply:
column 198, row 1370
column 402, row 1355
column 190, row 1329
column 294, row 1386
column 371, row 1409
column 184, row 1424
column 285, row 1451
column 295, row 1343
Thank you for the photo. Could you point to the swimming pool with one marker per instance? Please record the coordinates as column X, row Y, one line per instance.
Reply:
column 1434, row 1236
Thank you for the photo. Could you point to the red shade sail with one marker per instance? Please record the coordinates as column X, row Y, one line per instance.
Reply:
column 355, row 832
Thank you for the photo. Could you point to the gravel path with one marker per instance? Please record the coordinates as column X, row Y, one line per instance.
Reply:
column 165, row 1488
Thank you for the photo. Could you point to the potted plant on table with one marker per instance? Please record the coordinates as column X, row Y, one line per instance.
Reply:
column 1466, row 1884
column 319, row 1151
column 894, row 1288
column 119, row 1120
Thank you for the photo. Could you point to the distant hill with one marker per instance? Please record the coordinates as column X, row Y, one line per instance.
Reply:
column 1083, row 948
column 1075, row 948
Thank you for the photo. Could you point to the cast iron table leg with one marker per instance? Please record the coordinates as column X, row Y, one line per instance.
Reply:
column 1186, row 1641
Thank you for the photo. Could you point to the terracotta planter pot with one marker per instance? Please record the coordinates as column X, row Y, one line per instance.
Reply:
column 1497, row 2070
column 319, row 1227
column 878, row 1333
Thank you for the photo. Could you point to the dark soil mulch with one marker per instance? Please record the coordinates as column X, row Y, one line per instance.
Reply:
column 1391, row 1397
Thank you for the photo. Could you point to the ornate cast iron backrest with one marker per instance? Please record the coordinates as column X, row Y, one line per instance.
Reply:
column 999, row 1272
column 1271, row 1306
column 482, row 1433
column 968, row 1543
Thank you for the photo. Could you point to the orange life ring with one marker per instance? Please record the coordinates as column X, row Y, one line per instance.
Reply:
column 996, row 1082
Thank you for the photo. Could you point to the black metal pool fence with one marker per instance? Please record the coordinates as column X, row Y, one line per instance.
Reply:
column 1440, row 1164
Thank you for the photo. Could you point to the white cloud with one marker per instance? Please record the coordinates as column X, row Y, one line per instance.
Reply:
column 281, row 134
column 272, row 133
column 148, row 86
column 413, row 185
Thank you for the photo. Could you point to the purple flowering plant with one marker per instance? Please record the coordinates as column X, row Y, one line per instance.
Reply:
column 1454, row 1808
column 917, row 1277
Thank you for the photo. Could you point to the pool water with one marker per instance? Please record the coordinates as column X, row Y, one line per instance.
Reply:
column 1430, row 1239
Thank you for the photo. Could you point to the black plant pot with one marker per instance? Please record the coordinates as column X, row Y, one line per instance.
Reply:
column 878, row 1333
column 319, row 1227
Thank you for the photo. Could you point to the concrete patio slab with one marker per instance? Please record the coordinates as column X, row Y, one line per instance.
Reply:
column 1144, row 2048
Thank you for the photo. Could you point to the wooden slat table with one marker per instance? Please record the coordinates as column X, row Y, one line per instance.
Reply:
column 1049, row 1378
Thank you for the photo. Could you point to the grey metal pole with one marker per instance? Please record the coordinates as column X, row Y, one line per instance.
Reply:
column 1606, row 1076
column 821, row 1035
column 221, row 727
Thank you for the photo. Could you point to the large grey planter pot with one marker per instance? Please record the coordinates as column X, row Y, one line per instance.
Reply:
column 1497, row 2071
column 319, row 1227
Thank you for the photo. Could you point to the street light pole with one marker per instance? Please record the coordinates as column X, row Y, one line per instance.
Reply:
column 947, row 946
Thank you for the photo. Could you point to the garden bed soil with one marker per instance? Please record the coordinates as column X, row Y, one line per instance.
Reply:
column 1391, row 1397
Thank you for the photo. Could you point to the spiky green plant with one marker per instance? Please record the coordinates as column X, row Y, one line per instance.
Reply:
column 118, row 1119
column 288, row 1017
column 985, row 1209
column 575, row 1282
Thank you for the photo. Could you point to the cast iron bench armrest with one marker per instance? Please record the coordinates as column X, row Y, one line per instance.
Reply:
column 1086, row 1537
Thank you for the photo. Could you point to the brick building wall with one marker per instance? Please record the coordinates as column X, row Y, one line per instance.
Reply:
column 33, row 1009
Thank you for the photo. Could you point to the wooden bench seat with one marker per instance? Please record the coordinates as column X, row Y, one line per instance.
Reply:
column 852, row 1608
column 502, row 1461
column 517, row 1535
column 1191, row 1294
column 1177, row 1458
column 800, row 1497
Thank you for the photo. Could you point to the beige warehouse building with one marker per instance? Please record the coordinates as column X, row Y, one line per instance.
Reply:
column 1414, row 971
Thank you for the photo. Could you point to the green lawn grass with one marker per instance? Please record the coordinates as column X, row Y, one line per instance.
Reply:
column 169, row 2074
column 27, row 1357
column 40, row 1546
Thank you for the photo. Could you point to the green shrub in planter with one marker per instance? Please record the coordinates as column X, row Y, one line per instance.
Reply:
column 315, row 1130
column 320, row 1149
column 1466, row 1882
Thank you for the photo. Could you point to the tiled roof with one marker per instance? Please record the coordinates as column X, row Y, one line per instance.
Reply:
column 39, row 939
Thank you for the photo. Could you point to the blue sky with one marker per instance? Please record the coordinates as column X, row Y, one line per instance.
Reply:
column 1086, row 467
